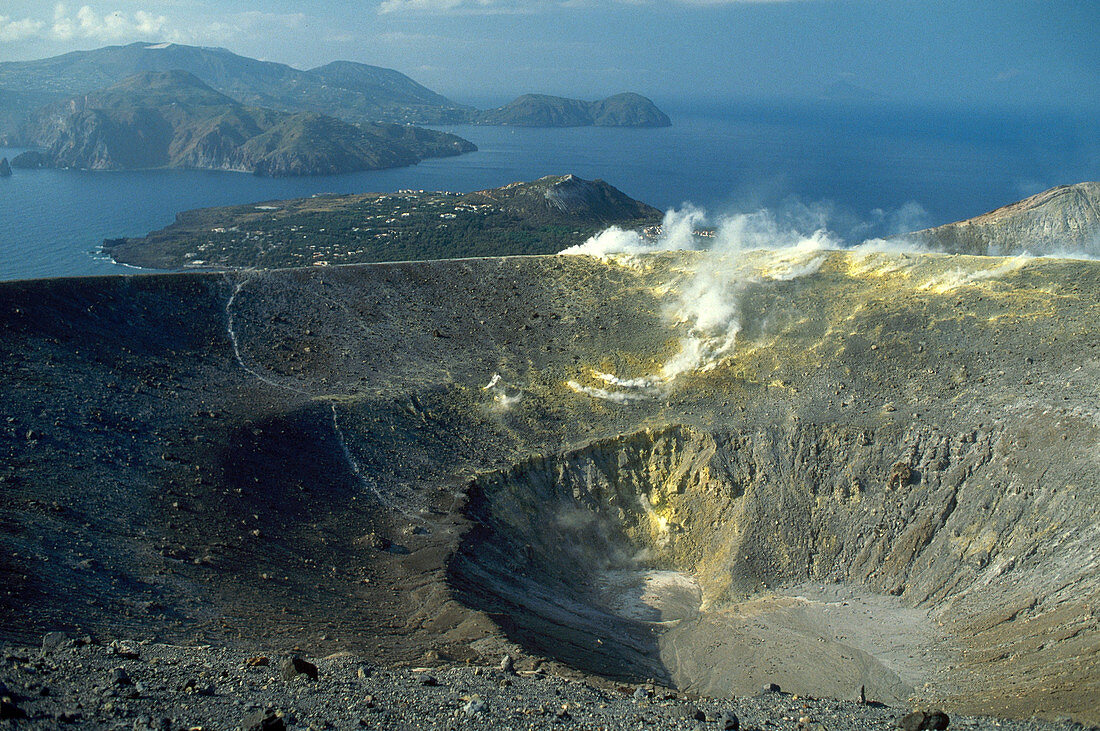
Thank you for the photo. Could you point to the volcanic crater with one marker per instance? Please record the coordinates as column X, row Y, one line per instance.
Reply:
column 889, row 482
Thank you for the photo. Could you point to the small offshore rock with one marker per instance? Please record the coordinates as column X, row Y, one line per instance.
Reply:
column 507, row 664
column 729, row 722
column 263, row 721
column 119, row 676
column 921, row 721
column 53, row 641
column 292, row 667
column 475, row 706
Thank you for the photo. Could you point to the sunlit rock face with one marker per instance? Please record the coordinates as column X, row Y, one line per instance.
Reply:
column 646, row 466
column 1056, row 222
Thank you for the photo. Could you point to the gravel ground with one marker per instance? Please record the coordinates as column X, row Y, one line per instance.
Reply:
column 135, row 685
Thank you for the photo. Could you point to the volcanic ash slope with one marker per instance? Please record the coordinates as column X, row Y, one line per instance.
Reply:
column 825, row 470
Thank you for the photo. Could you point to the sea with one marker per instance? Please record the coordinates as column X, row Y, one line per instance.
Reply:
column 859, row 170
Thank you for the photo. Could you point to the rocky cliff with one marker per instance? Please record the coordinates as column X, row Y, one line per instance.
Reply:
column 1062, row 220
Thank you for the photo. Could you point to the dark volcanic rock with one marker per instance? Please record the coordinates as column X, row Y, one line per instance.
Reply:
column 921, row 721
column 30, row 160
column 292, row 667
column 262, row 721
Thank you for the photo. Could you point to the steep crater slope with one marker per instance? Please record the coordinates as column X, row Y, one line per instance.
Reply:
column 685, row 556
column 440, row 461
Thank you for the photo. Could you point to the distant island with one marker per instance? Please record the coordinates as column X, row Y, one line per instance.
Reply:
column 540, row 110
column 352, row 92
column 171, row 119
column 539, row 217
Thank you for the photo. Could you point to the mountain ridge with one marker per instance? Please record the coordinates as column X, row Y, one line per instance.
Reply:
column 352, row 91
column 173, row 119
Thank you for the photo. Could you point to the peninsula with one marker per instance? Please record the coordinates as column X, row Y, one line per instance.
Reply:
column 539, row 217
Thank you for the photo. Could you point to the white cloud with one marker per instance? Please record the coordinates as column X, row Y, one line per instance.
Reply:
column 112, row 26
column 18, row 30
column 472, row 7
column 528, row 6
column 234, row 28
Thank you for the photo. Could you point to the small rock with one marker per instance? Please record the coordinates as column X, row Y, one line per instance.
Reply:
column 363, row 672
column 426, row 679
column 53, row 641
column 862, row 695
column 475, row 706
column 129, row 652
column 770, row 688
column 641, row 694
column 292, row 667
column 729, row 722
column 507, row 664
column 376, row 541
column 258, row 661
column 263, row 721
column 119, row 676
column 688, row 712
column 921, row 721
column 68, row 717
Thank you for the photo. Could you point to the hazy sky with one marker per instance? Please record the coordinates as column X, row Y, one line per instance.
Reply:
column 975, row 53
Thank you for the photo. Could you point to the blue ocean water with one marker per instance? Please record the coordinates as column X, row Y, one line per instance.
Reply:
column 863, row 171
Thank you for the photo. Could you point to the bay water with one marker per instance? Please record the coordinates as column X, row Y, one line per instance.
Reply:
column 862, row 171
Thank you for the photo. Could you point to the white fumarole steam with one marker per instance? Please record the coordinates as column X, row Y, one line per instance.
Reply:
column 501, row 399
column 708, row 305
